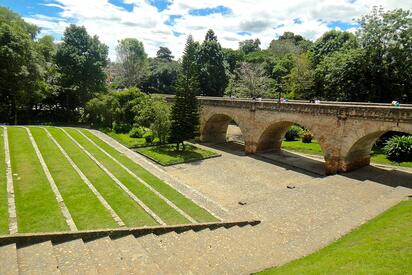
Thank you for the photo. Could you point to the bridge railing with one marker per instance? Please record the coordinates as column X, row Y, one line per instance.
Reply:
column 335, row 103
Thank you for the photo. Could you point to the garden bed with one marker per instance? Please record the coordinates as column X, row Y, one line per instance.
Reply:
column 167, row 155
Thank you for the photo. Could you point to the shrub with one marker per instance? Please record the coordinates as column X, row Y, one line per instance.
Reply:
column 137, row 132
column 307, row 137
column 120, row 127
column 293, row 133
column 148, row 136
column 399, row 148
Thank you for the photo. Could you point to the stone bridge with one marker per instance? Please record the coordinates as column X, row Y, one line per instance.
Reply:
column 346, row 132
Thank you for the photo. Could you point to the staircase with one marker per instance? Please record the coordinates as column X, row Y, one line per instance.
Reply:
column 223, row 248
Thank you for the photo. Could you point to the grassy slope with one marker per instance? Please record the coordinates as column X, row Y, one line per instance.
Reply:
column 126, row 140
column 4, row 216
column 84, row 207
column 381, row 246
column 195, row 211
column 168, row 214
column 377, row 155
column 131, row 213
column 36, row 205
column 167, row 154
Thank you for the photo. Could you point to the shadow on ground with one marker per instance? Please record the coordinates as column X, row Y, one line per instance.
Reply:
column 315, row 168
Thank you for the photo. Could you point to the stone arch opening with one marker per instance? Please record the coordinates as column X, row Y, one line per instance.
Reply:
column 220, row 128
column 359, row 154
column 273, row 136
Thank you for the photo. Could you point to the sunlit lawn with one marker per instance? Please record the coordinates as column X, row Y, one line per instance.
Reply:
column 381, row 246
column 168, row 155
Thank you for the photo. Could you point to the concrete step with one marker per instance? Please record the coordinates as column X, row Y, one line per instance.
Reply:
column 8, row 260
column 135, row 256
column 73, row 258
column 107, row 259
column 156, row 247
column 37, row 259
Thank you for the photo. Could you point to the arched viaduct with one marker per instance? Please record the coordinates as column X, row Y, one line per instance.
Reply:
column 345, row 132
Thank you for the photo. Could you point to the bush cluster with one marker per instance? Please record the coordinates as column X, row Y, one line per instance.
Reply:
column 293, row 133
column 399, row 148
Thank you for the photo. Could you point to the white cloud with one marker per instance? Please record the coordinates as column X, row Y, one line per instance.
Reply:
column 261, row 18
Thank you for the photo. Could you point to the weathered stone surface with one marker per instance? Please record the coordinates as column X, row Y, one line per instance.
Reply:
column 345, row 132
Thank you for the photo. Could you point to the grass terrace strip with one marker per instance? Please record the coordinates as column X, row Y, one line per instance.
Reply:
column 135, row 189
column 58, row 196
column 141, row 181
column 130, row 213
column 4, row 213
column 84, row 206
column 184, row 203
column 36, row 205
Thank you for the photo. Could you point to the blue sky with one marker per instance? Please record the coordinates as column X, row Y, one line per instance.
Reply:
column 168, row 22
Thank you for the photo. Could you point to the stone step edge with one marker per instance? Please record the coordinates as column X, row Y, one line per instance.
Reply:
column 33, row 238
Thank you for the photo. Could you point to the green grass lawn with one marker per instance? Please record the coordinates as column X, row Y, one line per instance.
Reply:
column 86, row 210
column 131, row 213
column 36, row 206
column 188, row 206
column 4, row 216
column 377, row 154
column 168, row 155
column 126, row 140
column 381, row 246
column 168, row 214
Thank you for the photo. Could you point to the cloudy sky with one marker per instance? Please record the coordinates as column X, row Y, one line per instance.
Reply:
column 168, row 22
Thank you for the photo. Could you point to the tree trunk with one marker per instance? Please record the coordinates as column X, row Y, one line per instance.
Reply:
column 177, row 146
column 183, row 145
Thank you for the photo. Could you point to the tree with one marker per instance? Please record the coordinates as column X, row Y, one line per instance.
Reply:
column 81, row 60
column 19, row 68
column 162, row 73
column 330, row 42
column 185, row 110
column 252, row 81
column 131, row 59
column 161, row 118
column 165, row 54
column 300, row 81
column 213, row 76
column 249, row 46
column 387, row 40
column 289, row 43
column 232, row 58
column 343, row 76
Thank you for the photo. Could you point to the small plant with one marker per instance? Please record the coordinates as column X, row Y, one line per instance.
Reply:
column 293, row 133
column 120, row 127
column 399, row 148
column 138, row 132
column 148, row 136
column 307, row 137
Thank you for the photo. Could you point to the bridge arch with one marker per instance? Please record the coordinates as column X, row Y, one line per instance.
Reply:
column 270, row 139
column 214, row 127
column 356, row 149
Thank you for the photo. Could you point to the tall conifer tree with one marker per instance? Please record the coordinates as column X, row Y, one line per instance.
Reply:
column 185, row 111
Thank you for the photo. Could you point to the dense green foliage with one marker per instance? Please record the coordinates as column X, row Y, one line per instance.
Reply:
column 399, row 148
column 293, row 133
column 42, row 81
column 81, row 60
column 212, row 71
column 131, row 59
